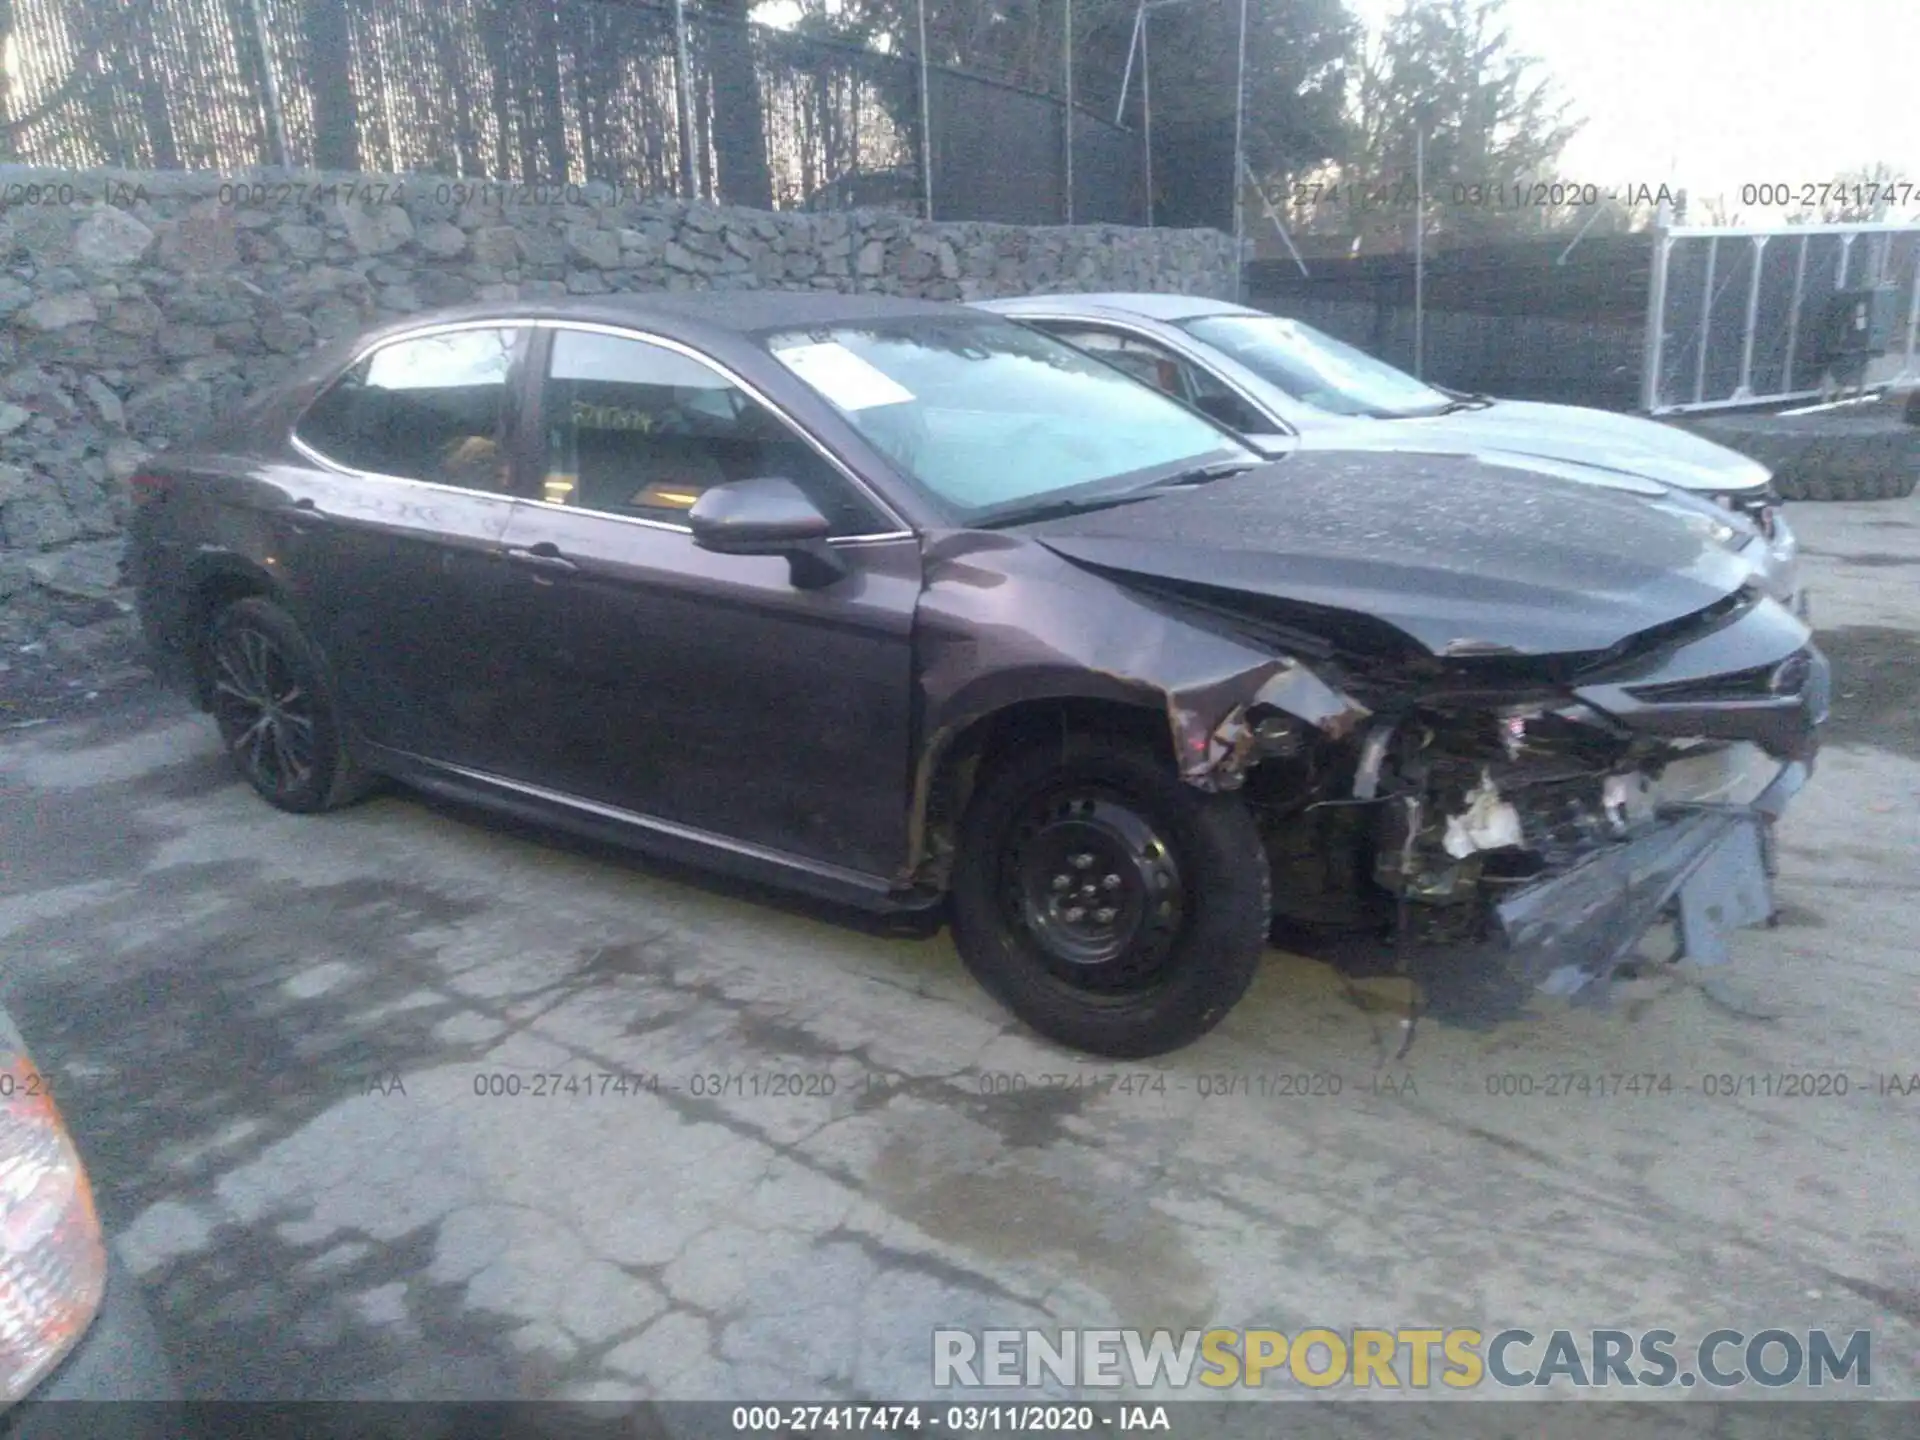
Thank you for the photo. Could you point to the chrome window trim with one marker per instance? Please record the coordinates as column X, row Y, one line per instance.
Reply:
column 681, row 348
column 424, row 332
column 337, row 468
column 621, row 332
column 1130, row 331
column 326, row 463
column 669, row 526
column 359, row 356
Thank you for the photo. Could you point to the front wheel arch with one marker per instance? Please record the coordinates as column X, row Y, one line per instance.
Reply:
column 1140, row 988
column 955, row 767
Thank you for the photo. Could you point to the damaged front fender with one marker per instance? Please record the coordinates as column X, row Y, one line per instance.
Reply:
column 1002, row 622
column 1217, row 751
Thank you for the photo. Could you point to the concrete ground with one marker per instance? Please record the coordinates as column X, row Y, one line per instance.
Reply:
column 284, row 1042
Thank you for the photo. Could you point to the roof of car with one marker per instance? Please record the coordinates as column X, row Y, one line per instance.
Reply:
column 736, row 312
column 1150, row 305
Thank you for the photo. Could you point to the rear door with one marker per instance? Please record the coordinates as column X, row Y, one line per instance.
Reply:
column 700, row 689
column 395, row 545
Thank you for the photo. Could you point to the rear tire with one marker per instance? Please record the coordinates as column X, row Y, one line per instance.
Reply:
column 273, row 702
column 1113, row 908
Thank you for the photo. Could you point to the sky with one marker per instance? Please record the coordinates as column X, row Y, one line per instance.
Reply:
column 1717, row 94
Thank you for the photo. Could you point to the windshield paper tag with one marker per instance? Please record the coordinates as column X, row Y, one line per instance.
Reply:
column 843, row 377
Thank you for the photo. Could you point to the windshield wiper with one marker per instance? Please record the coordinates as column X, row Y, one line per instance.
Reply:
column 1465, row 402
column 1056, row 509
column 1201, row 474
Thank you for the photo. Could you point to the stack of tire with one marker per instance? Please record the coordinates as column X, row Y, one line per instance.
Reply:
column 1856, row 452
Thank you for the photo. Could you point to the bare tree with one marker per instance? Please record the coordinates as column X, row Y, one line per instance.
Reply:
column 739, row 125
column 1491, row 124
column 336, row 113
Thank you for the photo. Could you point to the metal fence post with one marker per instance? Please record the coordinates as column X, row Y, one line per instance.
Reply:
column 1745, row 389
column 1419, row 251
column 926, row 115
column 1793, row 312
column 683, row 77
column 1146, row 107
column 1066, row 47
column 1240, row 165
column 1913, row 312
column 1656, row 333
column 1126, row 76
column 1706, row 320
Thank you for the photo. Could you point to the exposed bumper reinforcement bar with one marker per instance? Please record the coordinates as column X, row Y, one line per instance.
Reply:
column 1705, row 866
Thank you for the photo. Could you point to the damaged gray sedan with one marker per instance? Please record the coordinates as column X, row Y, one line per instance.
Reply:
column 908, row 606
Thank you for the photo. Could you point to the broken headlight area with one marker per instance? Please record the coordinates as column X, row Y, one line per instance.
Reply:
column 1552, row 832
column 1497, row 799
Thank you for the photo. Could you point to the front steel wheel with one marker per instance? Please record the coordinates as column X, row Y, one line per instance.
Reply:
column 1094, row 888
column 271, row 701
column 1112, row 907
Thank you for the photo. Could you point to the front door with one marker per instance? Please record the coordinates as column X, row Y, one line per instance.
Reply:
column 700, row 689
column 395, row 540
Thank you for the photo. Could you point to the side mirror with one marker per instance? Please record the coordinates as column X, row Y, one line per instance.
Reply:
column 771, row 516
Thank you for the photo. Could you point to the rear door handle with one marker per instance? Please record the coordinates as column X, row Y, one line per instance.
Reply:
column 544, row 555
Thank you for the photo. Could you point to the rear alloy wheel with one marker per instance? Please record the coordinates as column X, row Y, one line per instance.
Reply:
column 1113, row 908
column 270, row 698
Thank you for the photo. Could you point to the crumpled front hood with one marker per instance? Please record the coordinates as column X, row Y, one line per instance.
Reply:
column 1600, row 438
column 1460, row 556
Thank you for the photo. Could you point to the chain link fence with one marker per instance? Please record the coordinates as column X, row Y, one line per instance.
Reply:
column 556, row 92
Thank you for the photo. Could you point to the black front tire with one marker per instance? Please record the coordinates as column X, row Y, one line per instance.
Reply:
column 1184, row 929
column 273, row 702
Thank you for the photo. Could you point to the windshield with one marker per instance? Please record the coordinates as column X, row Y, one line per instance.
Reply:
column 994, row 419
column 1317, row 369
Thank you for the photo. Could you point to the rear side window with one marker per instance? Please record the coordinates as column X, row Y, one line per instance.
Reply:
column 430, row 408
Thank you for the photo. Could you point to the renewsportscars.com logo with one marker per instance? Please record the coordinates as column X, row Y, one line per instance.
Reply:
column 1410, row 1359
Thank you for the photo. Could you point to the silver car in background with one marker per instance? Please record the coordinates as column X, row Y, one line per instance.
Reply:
column 1284, row 386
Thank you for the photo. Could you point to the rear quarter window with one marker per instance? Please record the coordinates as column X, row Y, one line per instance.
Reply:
column 429, row 408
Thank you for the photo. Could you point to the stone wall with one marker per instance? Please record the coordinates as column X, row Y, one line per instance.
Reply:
column 135, row 306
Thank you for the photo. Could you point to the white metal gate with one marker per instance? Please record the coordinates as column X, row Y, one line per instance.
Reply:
column 1732, row 310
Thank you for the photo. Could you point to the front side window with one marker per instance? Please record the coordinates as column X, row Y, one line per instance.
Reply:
column 1317, row 369
column 429, row 408
column 1139, row 359
column 991, row 417
column 1170, row 373
column 637, row 429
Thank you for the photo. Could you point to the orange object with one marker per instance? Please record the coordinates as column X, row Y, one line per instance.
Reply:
column 53, row 1258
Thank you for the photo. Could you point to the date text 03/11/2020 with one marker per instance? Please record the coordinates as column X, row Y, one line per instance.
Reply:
column 1008, row 1418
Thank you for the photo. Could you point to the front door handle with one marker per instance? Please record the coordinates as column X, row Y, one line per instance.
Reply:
column 544, row 554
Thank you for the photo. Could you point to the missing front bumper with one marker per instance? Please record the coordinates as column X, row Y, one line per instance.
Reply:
column 1706, row 868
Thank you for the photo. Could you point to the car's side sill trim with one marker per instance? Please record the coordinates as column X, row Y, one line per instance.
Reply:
column 857, row 887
